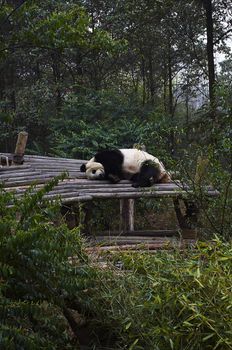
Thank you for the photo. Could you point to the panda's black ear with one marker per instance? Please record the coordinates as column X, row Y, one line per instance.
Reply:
column 83, row 168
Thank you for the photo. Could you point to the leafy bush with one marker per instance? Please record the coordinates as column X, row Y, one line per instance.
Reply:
column 169, row 300
column 37, row 281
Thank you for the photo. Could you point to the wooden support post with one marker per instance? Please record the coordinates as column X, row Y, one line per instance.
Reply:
column 188, row 220
column 69, row 216
column 20, row 147
column 127, row 215
column 85, row 214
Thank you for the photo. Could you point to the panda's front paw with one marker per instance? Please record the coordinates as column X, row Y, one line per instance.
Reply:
column 114, row 179
column 135, row 184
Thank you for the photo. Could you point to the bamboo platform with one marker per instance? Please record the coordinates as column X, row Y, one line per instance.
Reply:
column 38, row 170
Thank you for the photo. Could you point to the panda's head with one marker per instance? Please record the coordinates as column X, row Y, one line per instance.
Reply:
column 93, row 170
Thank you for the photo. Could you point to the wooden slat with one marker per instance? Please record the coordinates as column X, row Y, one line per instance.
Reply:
column 41, row 160
column 17, row 177
column 155, row 194
column 142, row 233
column 19, row 174
column 14, row 168
column 128, row 240
column 144, row 246
column 37, row 180
column 56, row 166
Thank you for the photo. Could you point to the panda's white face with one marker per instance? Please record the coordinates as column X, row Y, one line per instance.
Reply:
column 94, row 171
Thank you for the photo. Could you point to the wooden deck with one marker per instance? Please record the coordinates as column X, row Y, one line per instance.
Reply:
column 38, row 170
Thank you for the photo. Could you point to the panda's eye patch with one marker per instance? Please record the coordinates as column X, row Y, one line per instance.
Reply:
column 93, row 171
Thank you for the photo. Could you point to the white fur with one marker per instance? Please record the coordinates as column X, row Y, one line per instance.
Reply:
column 94, row 170
column 133, row 159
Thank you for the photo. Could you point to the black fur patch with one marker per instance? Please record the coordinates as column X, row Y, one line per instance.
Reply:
column 148, row 175
column 83, row 168
column 112, row 161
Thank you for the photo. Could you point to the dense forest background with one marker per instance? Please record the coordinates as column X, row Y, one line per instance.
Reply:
column 84, row 75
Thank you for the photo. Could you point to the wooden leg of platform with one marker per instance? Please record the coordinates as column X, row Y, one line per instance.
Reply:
column 20, row 147
column 127, row 215
column 85, row 215
column 188, row 220
column 69, row 215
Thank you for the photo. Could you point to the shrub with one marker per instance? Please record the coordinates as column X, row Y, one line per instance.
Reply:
column 37, row 281
column 169, row 300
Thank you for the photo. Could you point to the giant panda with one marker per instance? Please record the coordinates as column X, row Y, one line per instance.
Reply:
column 142, row 168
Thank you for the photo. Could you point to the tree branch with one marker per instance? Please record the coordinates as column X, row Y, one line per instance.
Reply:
column 222, row 36
column 12, row 12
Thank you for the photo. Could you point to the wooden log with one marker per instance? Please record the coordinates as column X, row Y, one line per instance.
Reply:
column 50, row 195
column 41, row 185
column 154, row 194
column 49, row 162
column 45, row 158
column 76, row 199
column 89, row 184
column 138, row 247
column 115, row 188
column 19, row 176
column 32, row 181
column 13, row 168
column 32, row 177
column 186, row 220
column 143, row 233
column 123, row 242
column 55, row 165
column 71, row 174
column 126, row 215
column 20, row 147
column 128, row 240
column 128, row 190
column 179, row 215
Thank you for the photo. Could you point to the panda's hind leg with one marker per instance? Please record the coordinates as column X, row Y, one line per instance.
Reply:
column 148, row 175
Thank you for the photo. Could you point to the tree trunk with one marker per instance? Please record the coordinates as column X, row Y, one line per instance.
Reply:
column 151, row 78
column 57, row 79
column 210, row 54
column 187, row 111
column 144, row 81
column 170, row 100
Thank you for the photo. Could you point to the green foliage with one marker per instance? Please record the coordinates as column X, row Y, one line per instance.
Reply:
column 82, row 76
column 169, row 300
column 107, row 119
column 36, row 277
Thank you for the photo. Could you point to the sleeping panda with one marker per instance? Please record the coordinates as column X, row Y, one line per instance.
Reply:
column 140, row 167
